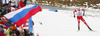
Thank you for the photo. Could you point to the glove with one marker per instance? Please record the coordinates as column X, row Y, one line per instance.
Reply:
column 83, row 14
column 74, row 16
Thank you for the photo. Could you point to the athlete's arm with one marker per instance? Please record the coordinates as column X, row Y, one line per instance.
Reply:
column 74, row 12
column 83, row 11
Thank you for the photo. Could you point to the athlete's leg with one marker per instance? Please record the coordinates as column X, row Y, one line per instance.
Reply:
column 78, row 24
column 78, row 19
column 85, row 23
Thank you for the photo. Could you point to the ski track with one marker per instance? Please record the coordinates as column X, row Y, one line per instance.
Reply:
column 62, row 23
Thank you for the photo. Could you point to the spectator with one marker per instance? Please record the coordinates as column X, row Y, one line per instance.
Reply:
column 9, row 29
column 26, row 33
column 14, row 31
column 5, row 10
column 0, row 2
column 0, row 10
column 2, row 22
column 2, row 31
column 7, row 25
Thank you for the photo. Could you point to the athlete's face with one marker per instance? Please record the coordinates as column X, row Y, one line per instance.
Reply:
column 22, row 0
column 78, row 9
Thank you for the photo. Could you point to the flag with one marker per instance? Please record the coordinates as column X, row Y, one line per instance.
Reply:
column 20, row 16
column 30, row 27
column 20, row 4
column 26, row 25
column 30, row 24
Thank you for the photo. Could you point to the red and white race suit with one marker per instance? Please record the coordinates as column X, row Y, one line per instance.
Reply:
column 79, row 14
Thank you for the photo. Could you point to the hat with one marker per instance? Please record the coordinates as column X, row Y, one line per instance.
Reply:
column 13, row 28
column 78, row 8
column 10, row 1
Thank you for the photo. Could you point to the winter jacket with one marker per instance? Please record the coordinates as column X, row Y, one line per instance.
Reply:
column 1, row 34
column 8, row 32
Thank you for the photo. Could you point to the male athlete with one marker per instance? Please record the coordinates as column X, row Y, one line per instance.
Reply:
column 80, row 13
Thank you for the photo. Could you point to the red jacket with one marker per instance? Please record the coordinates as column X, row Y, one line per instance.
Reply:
column 2, row 23
column 1, row 34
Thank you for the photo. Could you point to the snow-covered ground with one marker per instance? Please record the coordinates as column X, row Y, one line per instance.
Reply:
column 62, row 23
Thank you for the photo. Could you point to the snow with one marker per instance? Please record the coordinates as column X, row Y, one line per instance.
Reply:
column 62, row 23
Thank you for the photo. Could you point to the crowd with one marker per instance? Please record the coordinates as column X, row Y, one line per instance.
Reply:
column 7, row 28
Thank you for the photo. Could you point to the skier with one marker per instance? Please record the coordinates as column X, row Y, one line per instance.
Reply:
column 80, row 13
